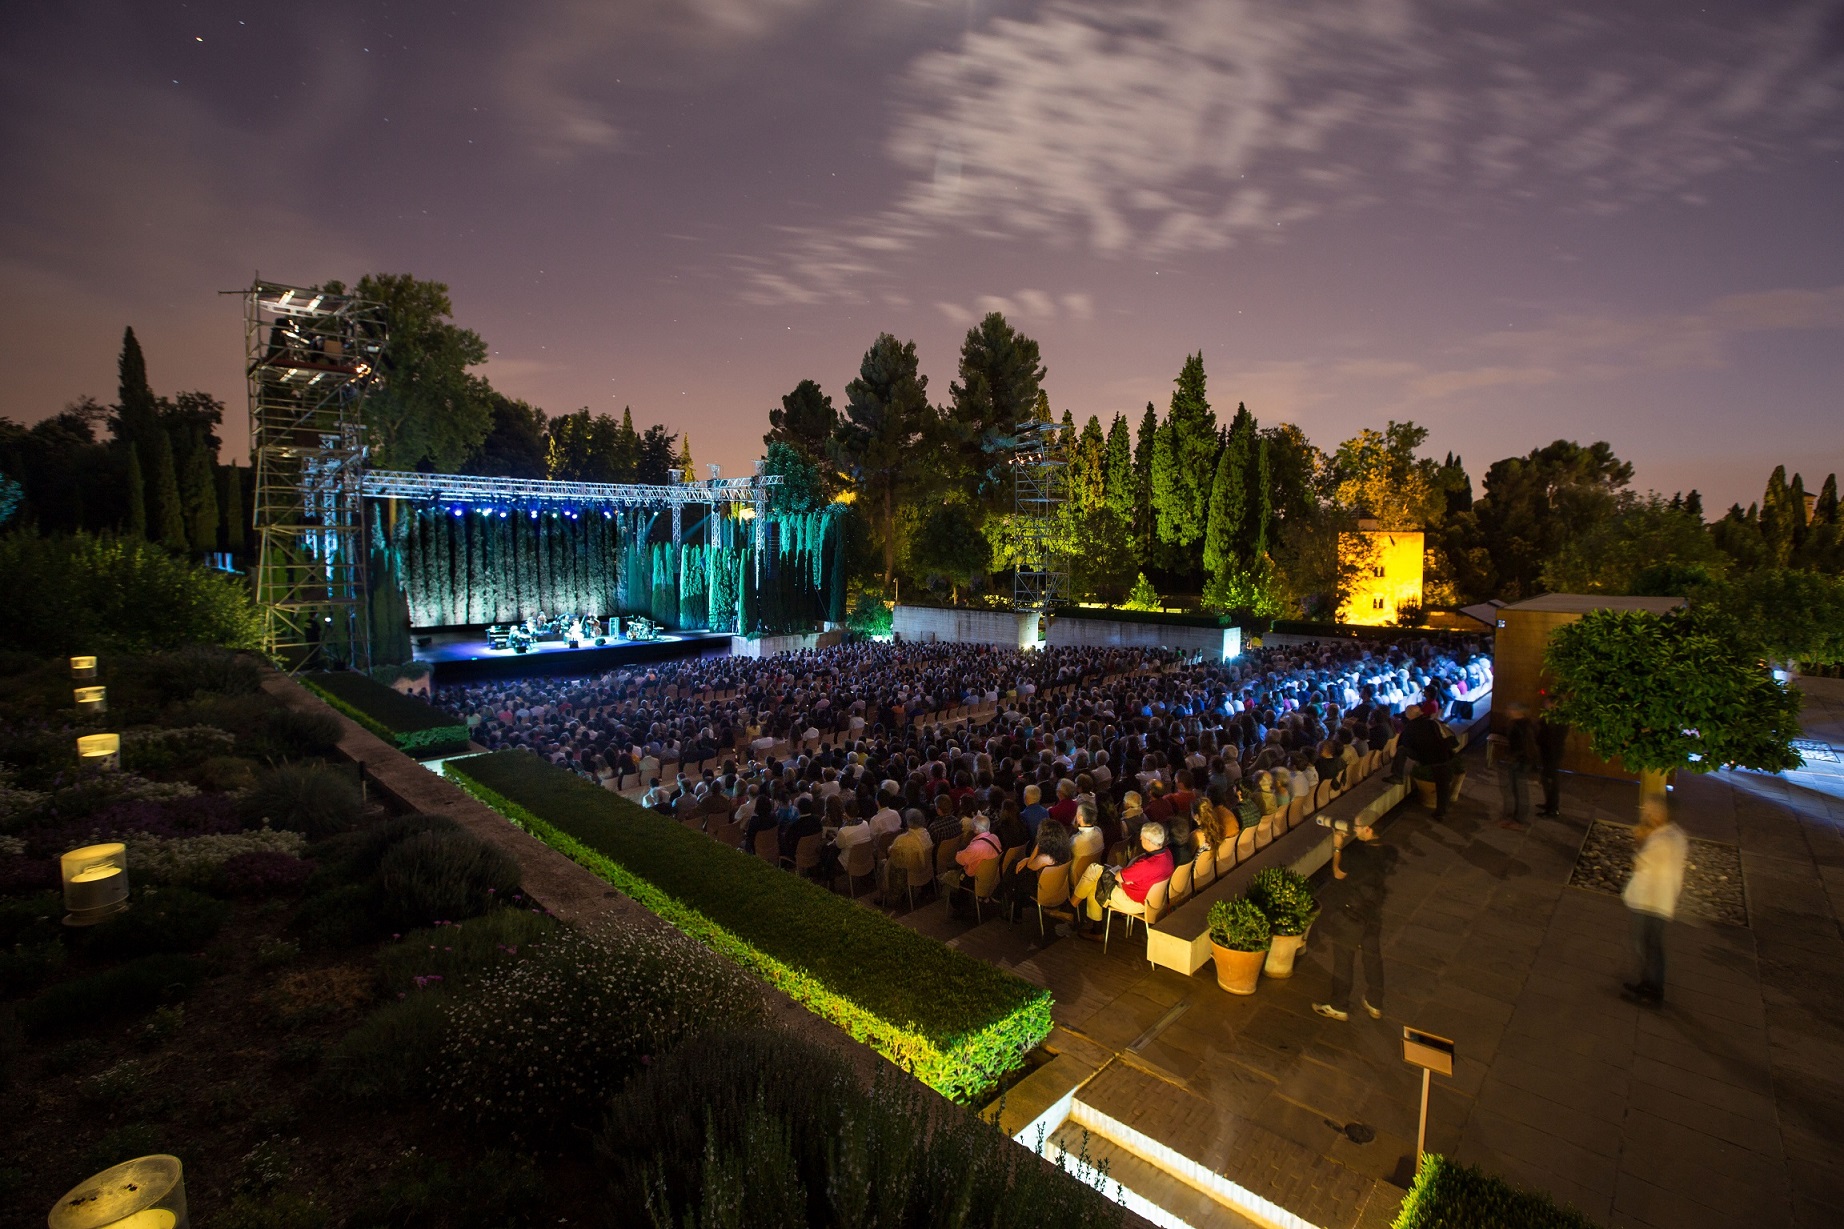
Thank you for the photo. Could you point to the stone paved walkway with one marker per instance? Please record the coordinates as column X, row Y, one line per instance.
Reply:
column 1725, row 1107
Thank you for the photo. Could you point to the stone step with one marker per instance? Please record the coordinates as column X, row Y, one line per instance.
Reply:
column 1140, row 1186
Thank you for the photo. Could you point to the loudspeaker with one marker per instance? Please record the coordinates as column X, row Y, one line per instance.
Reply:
column 423, row 642
column 521, row 647
column 1463, row 709
column 600, row 641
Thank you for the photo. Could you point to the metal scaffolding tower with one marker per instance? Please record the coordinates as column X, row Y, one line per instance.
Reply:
column 1037, row 484
column 311, row 358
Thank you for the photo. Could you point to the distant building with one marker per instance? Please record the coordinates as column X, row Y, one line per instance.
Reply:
column 1385, row 568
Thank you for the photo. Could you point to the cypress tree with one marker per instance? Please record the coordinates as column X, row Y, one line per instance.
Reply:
column 137, row 412
column 1796, row 510
column 199, row 496
column 1693, row 504
column 168, row 519
column 1229, row 510
column 1777, row 517
column 1142, row 487
column 1185, row 451
column 137, row 494
column 1826, row 510
column 1117, row 469
column 235, row 525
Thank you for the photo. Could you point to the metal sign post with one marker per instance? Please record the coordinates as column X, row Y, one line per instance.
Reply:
column 1431, row 1054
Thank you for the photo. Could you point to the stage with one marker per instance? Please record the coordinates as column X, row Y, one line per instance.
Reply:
column 461, row 655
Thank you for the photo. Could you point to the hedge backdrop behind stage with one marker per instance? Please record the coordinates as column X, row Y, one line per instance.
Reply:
column 434, row 567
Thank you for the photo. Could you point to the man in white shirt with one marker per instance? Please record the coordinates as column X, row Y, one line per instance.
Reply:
column 1660, row 850
column 887, row 821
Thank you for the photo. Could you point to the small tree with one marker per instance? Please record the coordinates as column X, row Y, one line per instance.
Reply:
column 1664, row 692
column 1144, row 596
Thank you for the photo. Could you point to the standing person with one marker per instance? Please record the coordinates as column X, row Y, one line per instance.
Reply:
column 1660, row 849
column 1552, row 736
column 1519, row 755
column 1357, row 924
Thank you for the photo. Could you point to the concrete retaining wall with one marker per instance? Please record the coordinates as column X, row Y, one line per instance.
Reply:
column 1215, row 643
column 929, row 623
column 775, row 646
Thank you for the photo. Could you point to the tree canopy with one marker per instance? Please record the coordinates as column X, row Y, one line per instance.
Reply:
column 429, row 407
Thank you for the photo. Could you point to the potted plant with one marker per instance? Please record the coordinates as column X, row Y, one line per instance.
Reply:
column 1286, row 899
column 1239, row 937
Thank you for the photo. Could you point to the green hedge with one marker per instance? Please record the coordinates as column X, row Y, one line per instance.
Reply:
column 1120, row 614
column 1447, row 1195
column 409, row 725
column 957, row 1024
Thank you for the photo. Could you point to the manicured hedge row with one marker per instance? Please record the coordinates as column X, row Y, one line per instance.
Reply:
column 409, row 725
column 1452, row 1196
column 956, row 1023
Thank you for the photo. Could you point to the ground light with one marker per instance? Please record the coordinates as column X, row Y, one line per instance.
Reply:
column 148, row 1192
column 102, row 752
column 83, row 667
column 95, row 882
column 91, row 700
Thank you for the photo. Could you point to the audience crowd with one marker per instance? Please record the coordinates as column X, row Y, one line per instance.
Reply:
column 1124, row 762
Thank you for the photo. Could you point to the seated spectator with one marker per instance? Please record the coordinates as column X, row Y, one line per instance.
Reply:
column 1009, row 827
column 806, row 822
column 1087, row 843
column 912, row 854
column 1055, row 846
column 1034, row 812
column 1128, row 886
column 1064, row 810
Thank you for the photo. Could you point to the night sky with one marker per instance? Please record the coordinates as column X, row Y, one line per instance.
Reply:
column 1510, row 223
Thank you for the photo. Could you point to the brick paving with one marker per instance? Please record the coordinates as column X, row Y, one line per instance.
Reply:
column 1725, row 1107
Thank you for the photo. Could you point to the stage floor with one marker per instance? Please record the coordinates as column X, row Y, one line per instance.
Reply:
column 459, row 656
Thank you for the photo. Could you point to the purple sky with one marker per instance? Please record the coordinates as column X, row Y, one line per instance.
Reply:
column 1588, row 219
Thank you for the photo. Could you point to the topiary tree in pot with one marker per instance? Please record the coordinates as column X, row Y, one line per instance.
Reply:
column 1286, row 899
column 1239, row 939
column 1659, row 693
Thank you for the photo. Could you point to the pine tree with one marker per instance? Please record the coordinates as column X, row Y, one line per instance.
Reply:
column 235, row 526
column 1693, row 504
column 198, row 495
column 137, row 494
column 168, row 519
column 684, row 461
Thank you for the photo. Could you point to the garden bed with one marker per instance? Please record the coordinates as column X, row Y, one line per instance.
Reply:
column 957, row 1024
column 1713, row 889
column 411, row 726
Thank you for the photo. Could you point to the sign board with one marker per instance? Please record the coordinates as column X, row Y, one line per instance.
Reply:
column 1427, row 1051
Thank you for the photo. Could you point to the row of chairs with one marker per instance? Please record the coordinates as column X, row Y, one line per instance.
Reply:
column 1206, row 868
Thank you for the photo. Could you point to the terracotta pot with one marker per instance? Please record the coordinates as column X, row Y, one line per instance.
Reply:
column 1237, row 972
column 1281, row 955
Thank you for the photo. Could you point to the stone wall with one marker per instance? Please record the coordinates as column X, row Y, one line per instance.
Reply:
column 926, row 624
column 1215, row 643
column 775, row 646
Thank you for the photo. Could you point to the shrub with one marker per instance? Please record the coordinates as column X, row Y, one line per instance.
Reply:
column 105, row 594
column 1452, row 1196
column 20, row 874
column 27, row 964
column 129, row 989
column 444, row 876
column 200, row 861
column 780, row 1126
column 407, row 724
column 956, row 1023
column 1286, row 897
column 124, row 1143
column 1239, row 925
column 454, row 957
column 341, row 917
column 264, row 873
column 226, row 773
column 353, row 856
column 163, row 919
column 312, row 799
column 543, row 1042
column 173, row 750
column 294, row 733
column 490, row 1190
column 196, row 668
column 386, row 1060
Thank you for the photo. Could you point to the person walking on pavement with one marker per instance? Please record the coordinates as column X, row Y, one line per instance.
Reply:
column 1552, row 737
column 1357, row 924
column 1516, row 758
column 1427, row 745
column 1660, row 850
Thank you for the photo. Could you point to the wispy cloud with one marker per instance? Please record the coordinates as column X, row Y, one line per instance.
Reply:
column 1162, row 129
column 560, row 73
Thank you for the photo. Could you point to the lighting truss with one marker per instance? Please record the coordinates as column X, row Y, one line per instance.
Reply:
column 310, row 358
column 537, row 493
column 1037, row 465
